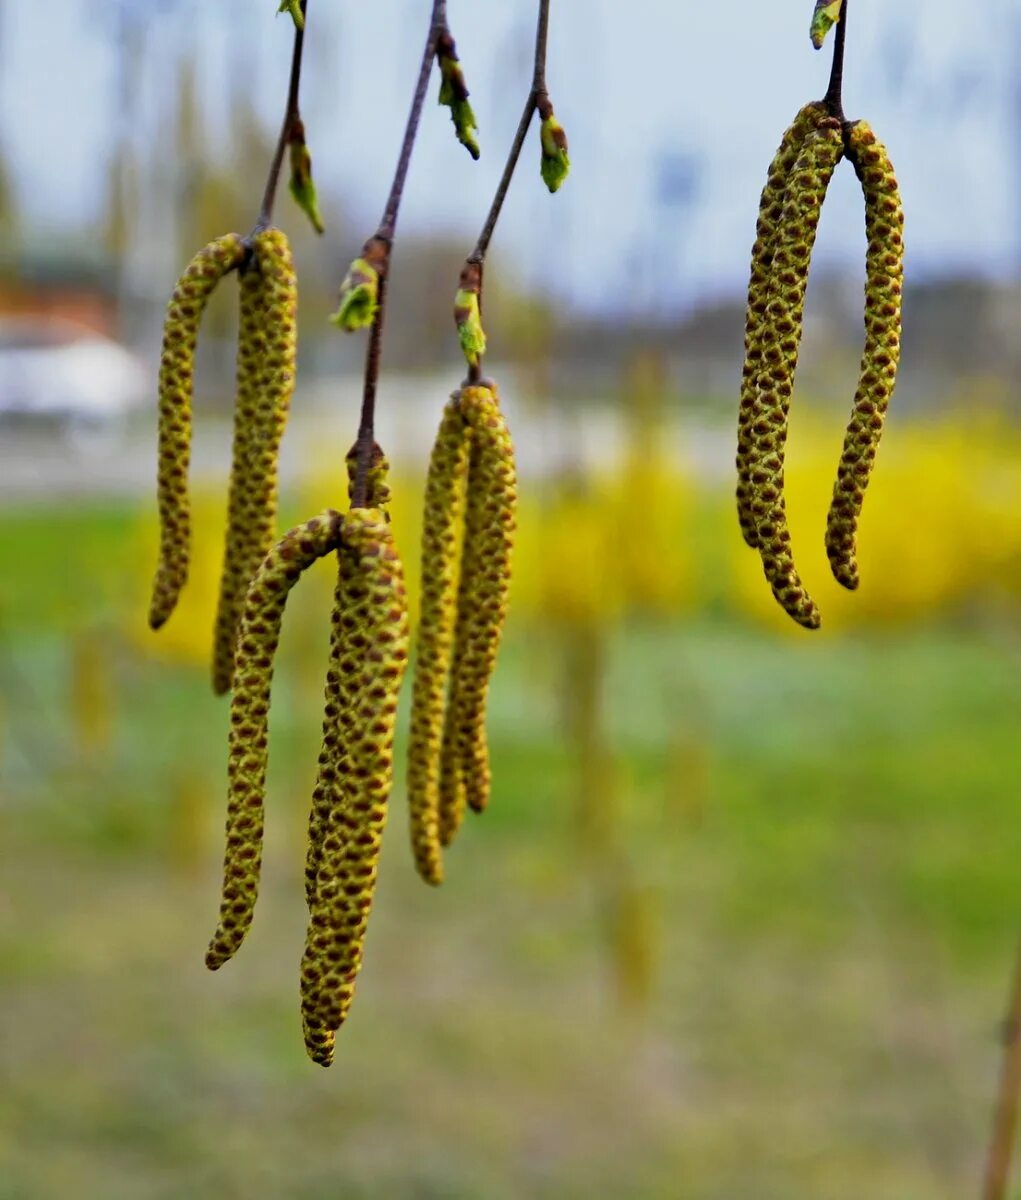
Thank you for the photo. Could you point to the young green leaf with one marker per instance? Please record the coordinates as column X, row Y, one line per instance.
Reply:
column 302, row 187
column 827, row 14
column 294, row 8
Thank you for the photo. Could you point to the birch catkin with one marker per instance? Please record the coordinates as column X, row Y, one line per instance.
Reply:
column 884, row 227
column 331, row 768
column 372, row 657
column 176, row 383
column 482, row 594
column 781, row 340
column 766, row 235
column 266, row 368
column 249, row 719
column 442, row 531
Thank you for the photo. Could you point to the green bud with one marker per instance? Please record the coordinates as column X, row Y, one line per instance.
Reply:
column 468, row 318
column 827, row 14
column 302, row 187
column 294, row 8
column 454, row 93
column 555, row 163
column 359, row 297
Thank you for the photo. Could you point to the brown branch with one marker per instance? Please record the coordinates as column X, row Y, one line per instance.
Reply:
column 385, row 234
column 538, row 98
column 1008, row 1105
column 834, row 98
column 291, row 114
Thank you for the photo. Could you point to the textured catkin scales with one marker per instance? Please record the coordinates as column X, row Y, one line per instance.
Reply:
column 766, row 233
column 266, row 367
column 176, row 381
column 372, row 657
column 482, row 599
column 884, row 227
column 331, row 754
column 249, row 718
column 781, row 340
column 442, row 531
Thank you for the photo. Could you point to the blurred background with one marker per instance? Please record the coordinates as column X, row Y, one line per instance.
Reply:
column 741, row 919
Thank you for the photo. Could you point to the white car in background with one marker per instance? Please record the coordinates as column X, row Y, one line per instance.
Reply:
column 57, row 374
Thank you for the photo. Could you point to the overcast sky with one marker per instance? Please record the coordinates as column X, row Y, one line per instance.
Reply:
column 672, row 120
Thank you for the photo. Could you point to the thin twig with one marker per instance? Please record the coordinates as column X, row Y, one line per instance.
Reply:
column 291, row 114
column 385, row 234
column 1008, row 1105
column 538, row 98
column 834, row 98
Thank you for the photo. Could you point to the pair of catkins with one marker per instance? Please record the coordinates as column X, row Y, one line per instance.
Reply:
column 792, row 199
column 467, row 541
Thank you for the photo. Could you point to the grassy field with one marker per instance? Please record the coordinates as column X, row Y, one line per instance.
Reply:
column 759, row 954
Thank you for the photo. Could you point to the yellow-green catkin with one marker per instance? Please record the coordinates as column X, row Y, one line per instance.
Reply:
column 249, row 720
column 176, row 383
column 442, row 531
column 781, row 339
column 490, row 519
column 266, row 371
column 373, row 653
column 767, row 228
column 884, row 228
column 330, row 769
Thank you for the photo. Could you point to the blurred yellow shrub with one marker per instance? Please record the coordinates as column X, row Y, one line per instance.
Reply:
column 940, row 537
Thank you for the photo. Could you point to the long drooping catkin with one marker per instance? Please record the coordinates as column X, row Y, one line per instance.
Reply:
column 249, row 720
column 176, row 383
column 482, row 594
column 442, row 532
column 884, row 227
column 766, row 233
column 781, row 340
column 330, row 756
column 266, row 366
column 373, row 652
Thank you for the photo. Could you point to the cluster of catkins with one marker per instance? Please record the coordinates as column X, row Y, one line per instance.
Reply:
column 799, row 177
column 468, row 532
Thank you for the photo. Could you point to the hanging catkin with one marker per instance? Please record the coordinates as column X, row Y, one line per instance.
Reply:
column 482, row 603
column 323, row 796
column 176, row 384
column 766, row 234
column 442, row 532
column 781, row 340
column 372, row 650
column 884, row 227
column 249, row 720
column 266, row 367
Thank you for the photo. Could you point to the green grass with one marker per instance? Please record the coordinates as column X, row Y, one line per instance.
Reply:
column 822, row 837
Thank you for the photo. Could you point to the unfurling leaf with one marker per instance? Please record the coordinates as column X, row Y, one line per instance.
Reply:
column 302, row 187
column 827, row 14
column 555, row 163
column 294, row 8
column 359, row 297
column 454, row 93
column 468, row 318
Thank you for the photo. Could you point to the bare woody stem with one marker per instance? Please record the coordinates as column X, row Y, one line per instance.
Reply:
column 834, row 98
column 384, row 237
column 291, row 115
column 538, row 98
column 1008, row 1106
